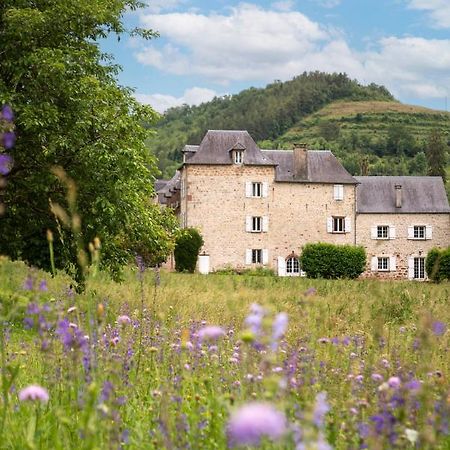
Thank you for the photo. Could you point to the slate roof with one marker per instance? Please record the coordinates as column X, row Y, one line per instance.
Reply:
column 216, row 145
column 167, row 187
column 419, row 195
column 188, row 151
column 323, row 167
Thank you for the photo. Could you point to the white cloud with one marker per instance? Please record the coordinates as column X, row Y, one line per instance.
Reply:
column 439, row 11
column 327, row 3
column 157, row 6
column 161, row 102
column 284, row 5
column 258, row 45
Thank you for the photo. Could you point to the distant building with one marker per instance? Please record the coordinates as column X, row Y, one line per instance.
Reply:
column 260, row 207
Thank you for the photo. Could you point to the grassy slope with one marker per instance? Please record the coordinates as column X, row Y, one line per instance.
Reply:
column 374, row 120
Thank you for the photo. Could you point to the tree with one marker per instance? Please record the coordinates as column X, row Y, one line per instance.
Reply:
column 436, row 153
column 71, row 112
column 188, row 245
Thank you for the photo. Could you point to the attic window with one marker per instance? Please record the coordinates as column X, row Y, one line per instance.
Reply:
column 238, row 156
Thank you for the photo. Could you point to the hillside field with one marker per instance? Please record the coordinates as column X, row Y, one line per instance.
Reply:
column 359, row 364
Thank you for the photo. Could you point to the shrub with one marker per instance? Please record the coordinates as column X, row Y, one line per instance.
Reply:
column 187, row 247
column 333, row 261
column 437, row 264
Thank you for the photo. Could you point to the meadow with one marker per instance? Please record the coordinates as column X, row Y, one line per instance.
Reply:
column 166, row 360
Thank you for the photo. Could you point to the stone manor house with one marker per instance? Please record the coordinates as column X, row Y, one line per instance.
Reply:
column 258, row 207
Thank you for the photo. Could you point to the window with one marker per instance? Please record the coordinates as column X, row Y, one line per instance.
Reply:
column 419, row 232
column 256, row 189
column 238, row 156
column 292, row 266
column 419, row 268
column 256, row 224
column 338, row 224
column 383, row 263
column 257, row 256
column 382, row 232
column 338, row 192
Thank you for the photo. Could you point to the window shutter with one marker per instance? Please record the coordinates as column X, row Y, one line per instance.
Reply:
column 428, row 232
column 373, row 232
column 330, row 224
column 265, row 256
column 265, row 224
column 374, row 264
column 281, row 267
column 348, row 224
column 410, row 267
column 338, row 192
column 248, row 188
column 392, row 232
column 410, row 232
column 265, row 189
column 392, row 263
column 248, row 223
column 248, row 256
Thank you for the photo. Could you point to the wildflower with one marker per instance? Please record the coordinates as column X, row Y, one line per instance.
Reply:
column 321, row 408
column 9, row 138
column 6, row 163
column 7, row 113
column 254, row 319
column 279, row 326
column 210, row 333
column 123, row 320
column 376, row 377
column 43, row 286
column 249, row 424
column 310, row 292
column 28, row 284
column 394, row 382
column 439, row 328
column 33, row 393
column 411, row 435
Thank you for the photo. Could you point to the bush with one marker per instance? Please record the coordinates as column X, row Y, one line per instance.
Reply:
column 187, row 246
column 437, row 264
column 333, row 261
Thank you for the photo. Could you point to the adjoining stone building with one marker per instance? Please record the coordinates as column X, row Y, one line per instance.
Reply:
column 258, row 207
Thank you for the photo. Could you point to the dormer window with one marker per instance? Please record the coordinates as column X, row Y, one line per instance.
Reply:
column 238, row 156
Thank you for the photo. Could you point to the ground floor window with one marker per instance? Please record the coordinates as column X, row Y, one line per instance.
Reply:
column 383, row 263
column 419, row 268
column 257, row 256
column 292, row 266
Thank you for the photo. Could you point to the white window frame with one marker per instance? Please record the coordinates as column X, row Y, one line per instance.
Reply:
column 238, row 156
column 260, row 188
column 383, row 264
column 338, row 192
column 382, row 231
column 257, row 257
column 293, row 266
column 257, row 224
column 338, row 222
column 415, row 234
column 418, row 268
column 257, row 188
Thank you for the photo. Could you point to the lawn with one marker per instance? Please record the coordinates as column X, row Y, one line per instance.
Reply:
column 202, row 362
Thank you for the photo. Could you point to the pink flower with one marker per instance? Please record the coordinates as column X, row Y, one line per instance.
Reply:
column 394, row 382
column 33, row 393
column 254, row 421
column 210, row 333
column 123, row 320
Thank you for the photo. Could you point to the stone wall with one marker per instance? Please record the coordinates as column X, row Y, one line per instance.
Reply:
column 401, row 246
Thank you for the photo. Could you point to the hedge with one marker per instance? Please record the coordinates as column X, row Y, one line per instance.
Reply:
column 187, row 246
column 333, row 261
column 437, row 264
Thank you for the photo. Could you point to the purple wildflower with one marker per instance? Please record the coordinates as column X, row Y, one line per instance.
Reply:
column 7, row 113
column 321, row 408
column 9, row 139
column 249, row 424
column 254, row 319
column 43, row 286
column 439, row 328
column 394, row 382
column 32, row 393
column 123, row 320
column 279, row 325
column 310, row 292
column 376, row 377
column 210, row 333
column 6, row 163
column 28, row 284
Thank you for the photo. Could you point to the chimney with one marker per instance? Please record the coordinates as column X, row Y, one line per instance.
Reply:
column 300, row 162
column 398, row 195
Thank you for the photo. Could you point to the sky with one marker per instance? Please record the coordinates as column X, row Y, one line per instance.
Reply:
column 211, row 48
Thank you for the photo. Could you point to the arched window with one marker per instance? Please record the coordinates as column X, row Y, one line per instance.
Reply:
column 292, row 266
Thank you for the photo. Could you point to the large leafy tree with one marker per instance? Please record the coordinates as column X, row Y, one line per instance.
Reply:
column 436, row 152
column 71, row 112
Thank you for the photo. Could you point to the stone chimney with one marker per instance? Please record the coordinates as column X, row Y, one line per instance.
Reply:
column 398, row 195
column 300, row 162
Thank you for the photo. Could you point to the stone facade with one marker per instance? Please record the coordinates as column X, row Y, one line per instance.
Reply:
column 261, row 210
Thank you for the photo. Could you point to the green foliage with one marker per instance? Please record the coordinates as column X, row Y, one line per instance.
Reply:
column 436, row 153
column 187, row 246
column 71, row 112
column 323, row 260
column 437, row 264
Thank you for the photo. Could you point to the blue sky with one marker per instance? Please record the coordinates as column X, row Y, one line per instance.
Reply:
column 218, row 47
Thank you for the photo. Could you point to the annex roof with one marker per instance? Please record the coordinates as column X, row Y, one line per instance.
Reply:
column 216, row 146
column 376, row 194
column 323, row 167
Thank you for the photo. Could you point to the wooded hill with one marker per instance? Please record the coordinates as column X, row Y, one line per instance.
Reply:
column 364, row 126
